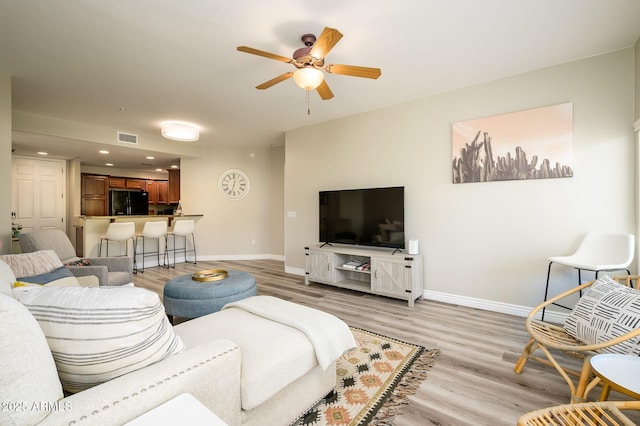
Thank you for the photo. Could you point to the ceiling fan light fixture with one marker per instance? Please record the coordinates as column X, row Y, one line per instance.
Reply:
column 180, row 131
column 308, row 78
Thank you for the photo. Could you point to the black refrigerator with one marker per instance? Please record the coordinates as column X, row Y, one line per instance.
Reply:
column 128, row 203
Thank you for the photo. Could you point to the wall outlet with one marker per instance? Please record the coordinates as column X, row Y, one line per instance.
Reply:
column 253, row 241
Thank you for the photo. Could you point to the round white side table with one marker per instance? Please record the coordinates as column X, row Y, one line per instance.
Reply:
column 618, row 372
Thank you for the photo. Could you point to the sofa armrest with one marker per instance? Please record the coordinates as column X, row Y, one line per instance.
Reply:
column 210, row 372
column 97, row 270
column 120, row 263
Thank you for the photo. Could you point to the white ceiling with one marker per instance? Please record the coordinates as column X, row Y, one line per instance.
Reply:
column 160, row 59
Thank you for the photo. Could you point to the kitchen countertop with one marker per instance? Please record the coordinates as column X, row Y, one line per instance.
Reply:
column 140, row 216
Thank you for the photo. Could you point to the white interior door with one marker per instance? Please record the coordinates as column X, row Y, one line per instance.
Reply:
column 38, row 193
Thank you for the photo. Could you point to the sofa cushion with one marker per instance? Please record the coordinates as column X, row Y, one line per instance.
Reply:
column 274, row 355
column 98, row 333
column 607, row 310
column 30, row 264
column 29, row 378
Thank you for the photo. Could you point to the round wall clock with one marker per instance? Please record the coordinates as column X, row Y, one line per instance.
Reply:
column 234, row 184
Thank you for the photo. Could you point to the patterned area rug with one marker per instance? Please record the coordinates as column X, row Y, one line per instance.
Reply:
column 373, row 382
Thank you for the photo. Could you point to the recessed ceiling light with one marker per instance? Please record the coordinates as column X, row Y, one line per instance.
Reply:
column 150, row 158
column 173, row 166
column 42, row 153
column 103, row 151
column 108, row 164
column 159, row 170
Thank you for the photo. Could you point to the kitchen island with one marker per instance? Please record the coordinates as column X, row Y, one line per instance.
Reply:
column 89, row 229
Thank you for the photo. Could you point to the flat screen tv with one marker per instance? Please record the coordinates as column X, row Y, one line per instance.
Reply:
column 368, row 217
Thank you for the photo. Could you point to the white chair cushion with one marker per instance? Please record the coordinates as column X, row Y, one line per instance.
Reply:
column 607, row 310
column 29, row 384
column 98, row 333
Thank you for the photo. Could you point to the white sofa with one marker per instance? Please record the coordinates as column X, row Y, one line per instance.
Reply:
column 246, row 369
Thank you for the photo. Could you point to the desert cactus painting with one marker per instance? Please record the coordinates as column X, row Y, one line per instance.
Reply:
column 510, row 146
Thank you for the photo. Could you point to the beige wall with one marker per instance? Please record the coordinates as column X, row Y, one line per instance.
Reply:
column 637, row 80
column 276, row 216
column 233, row 229
column 5, row 162
column 484, row 240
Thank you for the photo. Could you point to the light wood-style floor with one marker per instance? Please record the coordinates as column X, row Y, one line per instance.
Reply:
column 472, row 381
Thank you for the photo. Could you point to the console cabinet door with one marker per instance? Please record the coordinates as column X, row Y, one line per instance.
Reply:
column 320, row 266
column 390, row 277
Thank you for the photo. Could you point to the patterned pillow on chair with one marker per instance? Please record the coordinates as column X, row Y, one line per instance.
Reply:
column 606, row 311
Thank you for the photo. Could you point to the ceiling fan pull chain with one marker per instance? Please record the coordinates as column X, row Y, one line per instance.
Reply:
column 308, row 102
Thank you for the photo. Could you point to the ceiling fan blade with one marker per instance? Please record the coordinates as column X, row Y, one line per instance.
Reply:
column 324, row 91
column 354, row 71
column 253, row 51
column 329, row 38
column 274, row 81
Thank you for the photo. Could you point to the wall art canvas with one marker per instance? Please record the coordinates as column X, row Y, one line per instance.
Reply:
column 532, row 144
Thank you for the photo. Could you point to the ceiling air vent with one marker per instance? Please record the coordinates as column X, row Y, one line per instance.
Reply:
column 127, row 138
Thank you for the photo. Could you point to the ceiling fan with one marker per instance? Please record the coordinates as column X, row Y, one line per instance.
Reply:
column 310, row 62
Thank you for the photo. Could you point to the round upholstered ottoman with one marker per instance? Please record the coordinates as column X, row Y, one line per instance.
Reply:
column 186, row 298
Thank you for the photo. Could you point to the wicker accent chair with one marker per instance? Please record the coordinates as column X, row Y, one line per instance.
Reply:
column 547, row 337
column 587, row 413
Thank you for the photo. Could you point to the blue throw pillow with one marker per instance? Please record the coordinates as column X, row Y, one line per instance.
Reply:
column 56, row 274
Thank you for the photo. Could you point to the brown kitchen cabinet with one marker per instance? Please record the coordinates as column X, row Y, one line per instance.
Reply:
column 163, row 191
column 152, row 188
column 135, row 183
column 174, row 186
column 95, row 191
column 117, row 182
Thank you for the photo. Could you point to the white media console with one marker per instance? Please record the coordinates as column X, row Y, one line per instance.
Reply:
column 376, row 271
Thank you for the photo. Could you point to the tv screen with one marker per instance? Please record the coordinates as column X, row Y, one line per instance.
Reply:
column 369, row 217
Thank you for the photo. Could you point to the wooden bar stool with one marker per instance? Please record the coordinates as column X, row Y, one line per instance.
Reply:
column 184, row 229
column 156, row 230
column 121, row 232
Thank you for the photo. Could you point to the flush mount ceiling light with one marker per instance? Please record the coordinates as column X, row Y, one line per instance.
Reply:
column 180, row 131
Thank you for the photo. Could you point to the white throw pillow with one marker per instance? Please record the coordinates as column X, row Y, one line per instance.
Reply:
column 29, row 384
column 607, row 310
column 99, row 333
column 7, row 278
column 30, row 264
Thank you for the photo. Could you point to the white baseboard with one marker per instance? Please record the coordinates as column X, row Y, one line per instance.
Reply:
column 487, row 305
column 241, row 257
column 294, row 271
column 493, row 306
